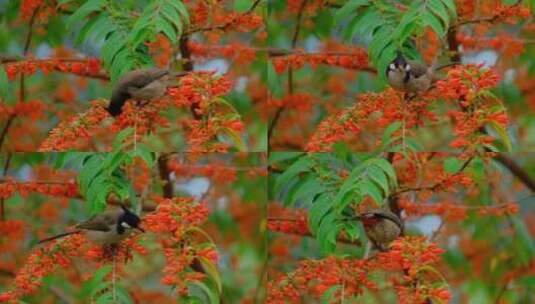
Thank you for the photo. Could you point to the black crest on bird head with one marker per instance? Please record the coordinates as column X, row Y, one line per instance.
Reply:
column 399, row 63
column 128, row 219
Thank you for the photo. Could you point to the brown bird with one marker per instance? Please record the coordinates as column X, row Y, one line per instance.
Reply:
column 410, row 76
column 141, row 85
column 107, row 228
column 381, row 226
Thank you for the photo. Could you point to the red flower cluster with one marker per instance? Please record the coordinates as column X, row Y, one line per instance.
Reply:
column 202, row 89
column 351, row 275
column 83, row 67
column 506, row 13
column 291, row 221
column 27, row 7
column 41, row 263
column 503, row 43
column 356, row 58
column 413, row 256
column 175, row 218
column 467, row 82
column 454, row 212
column 240, row 22
column 161, row 50
column 234, row 51
column 8, row 188
column 347, row 124
column 219, row 173
column 301, row 102
column 33, row 109
column 11, row 230
column 74, row 132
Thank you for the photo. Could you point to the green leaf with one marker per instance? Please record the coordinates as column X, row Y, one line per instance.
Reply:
column 450, row 4
column 211, row 271
column 181, row 8
column 328, row 295
column 307, row 190
column 145, row 153
column 84, row 10
column 408, row 18
column 3, row 83
column 118, row 141
column 368, row 187
column 166, row 28
column 524, row 240
column 384, row 59
column 432, row 21
column 387, row 168
column 235, row 138
column 369, row 21
column 102, row 28
column 386, row 139
column 438, row 9
column 349, row 7
column 452, row 165
column 321, row 206
column 327, row 233
column 280, row 157
column 379, row 176
column 380, row 40
column 502, row 134
column 302, row 165
column 213, row 297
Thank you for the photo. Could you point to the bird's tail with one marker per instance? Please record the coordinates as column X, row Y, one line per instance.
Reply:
column 59, row 236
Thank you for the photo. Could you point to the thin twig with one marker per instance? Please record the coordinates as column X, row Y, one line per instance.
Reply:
column 295, row 36
column 22, row 91
column 168, row 191
column 114, row 290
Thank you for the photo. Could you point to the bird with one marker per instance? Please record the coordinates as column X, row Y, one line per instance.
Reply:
column 142, row 85
column 107, row 228
column 381, row 227
column 410, row 76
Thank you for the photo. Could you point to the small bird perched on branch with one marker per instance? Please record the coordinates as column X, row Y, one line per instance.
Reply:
column 381, row 226
column 141, row 85
column 410, row 76
column 107, row 228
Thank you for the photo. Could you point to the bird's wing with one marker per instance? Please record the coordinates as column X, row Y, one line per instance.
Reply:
column 101, row 222
column 142, row 77
column 418, row 69
column 385, row 214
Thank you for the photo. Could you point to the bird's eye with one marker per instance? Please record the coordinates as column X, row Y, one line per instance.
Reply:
column 392, row 66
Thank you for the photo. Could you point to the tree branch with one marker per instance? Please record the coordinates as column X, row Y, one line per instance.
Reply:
column 168, row 191
column 295, row 36
column 22, row 91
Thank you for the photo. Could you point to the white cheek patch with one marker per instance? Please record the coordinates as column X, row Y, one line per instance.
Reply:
column 392, row 66
column 408, row 68
column 125, row 225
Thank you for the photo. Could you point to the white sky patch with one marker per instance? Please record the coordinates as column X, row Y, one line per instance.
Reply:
column 220, row 66
column 241, row 84
column 195, row 187
column 487, row 58
column 427, row 224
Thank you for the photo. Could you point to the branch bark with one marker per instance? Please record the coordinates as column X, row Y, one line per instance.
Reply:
column 168, row 191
